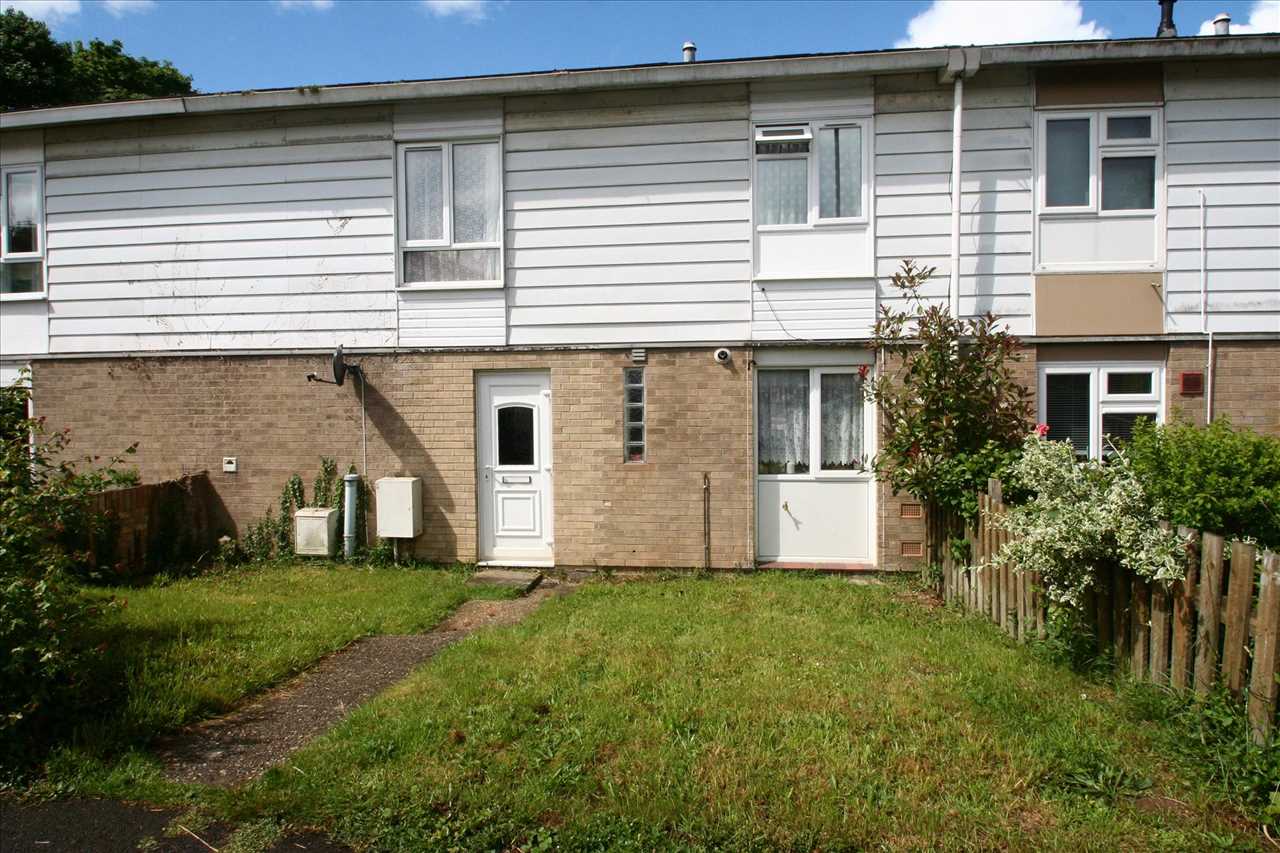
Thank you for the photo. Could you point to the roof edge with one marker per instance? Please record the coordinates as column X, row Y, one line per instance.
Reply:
column 636, row 76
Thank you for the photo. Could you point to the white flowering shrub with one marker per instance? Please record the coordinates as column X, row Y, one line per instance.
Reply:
column 1083, row 515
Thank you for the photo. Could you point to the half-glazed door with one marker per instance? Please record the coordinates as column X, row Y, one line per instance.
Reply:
column 513, row 452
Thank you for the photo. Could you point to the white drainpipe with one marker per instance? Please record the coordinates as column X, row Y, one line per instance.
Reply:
column 957, row 128
column 1204, row 307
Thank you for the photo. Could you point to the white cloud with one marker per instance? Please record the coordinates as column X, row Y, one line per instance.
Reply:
column 1264, row 17
column 473, row 10
column 317, row 5
column 49, row 11
column 120, row 8
column 999, row 22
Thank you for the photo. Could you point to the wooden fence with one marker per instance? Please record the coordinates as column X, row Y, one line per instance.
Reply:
column 156, row 526
column 1217, row 625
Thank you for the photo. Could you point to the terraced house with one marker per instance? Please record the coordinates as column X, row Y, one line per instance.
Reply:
column 618, row 316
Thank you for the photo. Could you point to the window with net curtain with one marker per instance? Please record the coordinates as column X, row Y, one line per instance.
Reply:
column 783, row 421
column 452, row 212
column 783, row 173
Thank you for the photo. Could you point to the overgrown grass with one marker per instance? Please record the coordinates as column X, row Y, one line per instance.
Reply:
column 175, row 652
column 763, row 712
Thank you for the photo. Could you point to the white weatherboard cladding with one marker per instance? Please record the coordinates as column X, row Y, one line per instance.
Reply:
column 628, row 217
column 1223, row 137
column 269, row 230
column 913, row 177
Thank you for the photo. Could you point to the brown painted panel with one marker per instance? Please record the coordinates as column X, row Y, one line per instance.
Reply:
column 1081, row 85
column 1111, row 351
column 1099, row 304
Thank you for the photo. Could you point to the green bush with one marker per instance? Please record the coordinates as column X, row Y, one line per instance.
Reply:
column 1212, row 478
column 45, row 503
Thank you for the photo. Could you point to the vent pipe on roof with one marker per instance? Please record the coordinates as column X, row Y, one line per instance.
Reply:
column 690, row 51
column 1167, row 29
column 1222, row 24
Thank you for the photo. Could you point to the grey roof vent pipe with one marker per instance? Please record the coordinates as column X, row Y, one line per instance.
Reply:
column 1222, row 24
column 1167, row 29
column 690, row 51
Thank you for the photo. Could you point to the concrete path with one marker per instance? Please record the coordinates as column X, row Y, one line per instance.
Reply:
column 238, row 747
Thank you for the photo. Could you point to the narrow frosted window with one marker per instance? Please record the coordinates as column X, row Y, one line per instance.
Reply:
column 1129, row 183
column 783, row 426
column 424, row 194
column 1068, row 408
column 476, row 206
column 841, row 422
column 839, row 172
column 633, row 415
column 1067, row 162
column 784, row 192
column 22, row 213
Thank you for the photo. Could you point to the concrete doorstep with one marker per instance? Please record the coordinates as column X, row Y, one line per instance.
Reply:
column 523, row 580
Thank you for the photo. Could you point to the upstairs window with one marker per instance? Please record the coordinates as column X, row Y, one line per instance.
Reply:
column 810, row 174
column 21, row 231
column 450, row 206
column 1096, row 406
column 1102, row 162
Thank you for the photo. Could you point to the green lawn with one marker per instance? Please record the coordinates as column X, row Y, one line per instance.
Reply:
column 750, row 712
column 177, row 652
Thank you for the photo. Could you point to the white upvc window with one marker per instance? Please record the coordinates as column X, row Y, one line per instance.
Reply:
column 22, row 232
column 449, row 211
column 812, row 423
column 1095, row 405
column 811, row 174
column 1101, row 162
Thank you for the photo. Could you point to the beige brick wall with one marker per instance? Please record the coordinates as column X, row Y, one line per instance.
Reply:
column 186, row 413
column 1246, row 383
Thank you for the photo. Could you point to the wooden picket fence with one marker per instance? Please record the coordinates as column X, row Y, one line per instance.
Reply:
column 1219, row 625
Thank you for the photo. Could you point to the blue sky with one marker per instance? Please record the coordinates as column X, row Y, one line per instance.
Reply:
column 242, row 44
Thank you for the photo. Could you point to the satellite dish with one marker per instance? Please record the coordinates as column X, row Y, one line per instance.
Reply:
column 339, row 366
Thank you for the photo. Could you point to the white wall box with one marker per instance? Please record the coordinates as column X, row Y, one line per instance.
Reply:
column 399, row 507
column 315, row 532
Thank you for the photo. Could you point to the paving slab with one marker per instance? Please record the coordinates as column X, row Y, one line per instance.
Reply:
column 518, row 579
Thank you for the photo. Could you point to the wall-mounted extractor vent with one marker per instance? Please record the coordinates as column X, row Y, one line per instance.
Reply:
column 1191, row 383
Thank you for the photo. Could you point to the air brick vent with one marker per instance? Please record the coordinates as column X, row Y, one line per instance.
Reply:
column 1191, row 383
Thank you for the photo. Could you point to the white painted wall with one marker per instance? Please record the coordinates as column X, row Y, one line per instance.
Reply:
column 1223, row 132
column 628, row 217
column 265, row 230
column 913, row 176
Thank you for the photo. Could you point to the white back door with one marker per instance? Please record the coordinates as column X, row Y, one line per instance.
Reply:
column 513, row 453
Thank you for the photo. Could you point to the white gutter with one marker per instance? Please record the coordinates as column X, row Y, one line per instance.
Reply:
column 681, row 73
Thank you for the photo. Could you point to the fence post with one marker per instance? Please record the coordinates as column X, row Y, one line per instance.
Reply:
column 1235, row 647
column 1121, row 619
column 982, row 529
column 995, row 490
column 1210, row 614
column 1160, row 613
column 1184, row 613
column 1141, row 629
column 1106, row 611
column 1262, row 686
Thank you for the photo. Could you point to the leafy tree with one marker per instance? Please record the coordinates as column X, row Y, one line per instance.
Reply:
column 954, row 412
column 1212, row 478
column 38, row 71
column 45, row 503
column 34, row 69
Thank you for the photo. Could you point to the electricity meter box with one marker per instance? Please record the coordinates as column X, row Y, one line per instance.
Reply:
column 399, row 502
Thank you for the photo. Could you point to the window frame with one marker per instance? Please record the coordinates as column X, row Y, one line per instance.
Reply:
column 1101, row 148
column 446, row 243
column 7, row 257
column 816, row 471
column 809, row 131
column 1100, row 401
column 643, row 423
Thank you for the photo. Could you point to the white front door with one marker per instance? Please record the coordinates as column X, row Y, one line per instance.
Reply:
column 815, row 433
column 513, row 452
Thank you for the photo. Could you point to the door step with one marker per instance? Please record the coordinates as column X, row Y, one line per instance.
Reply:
column 524, row 582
